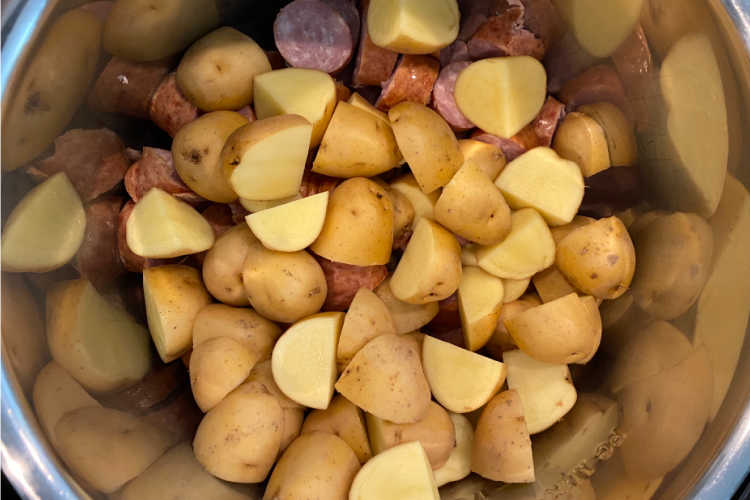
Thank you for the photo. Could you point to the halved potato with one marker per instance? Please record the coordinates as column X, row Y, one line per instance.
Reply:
column 458, row 465
column 342, row 419
column 514, row 289
column 406, row 317
column 360, row 102
column 292, row 226
column 488, row 157
column 480, row 298
column 600, row 28
column 621, row 142
column 581, row 139
column 413, row 26
column 253, row 206
column 423, row 204
column 45, row 230
column 367, row 318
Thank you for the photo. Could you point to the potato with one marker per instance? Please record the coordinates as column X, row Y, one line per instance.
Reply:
column 291, row 425
column 45, row 230
column 385, row 378
column 265, row 159
column 360, row 102
column 560, row 232
column 217, row 367
column 621, row 142
column 413, row 26
column 196, row 150
column 430, row 268
column 674, row 258
column 99, row 344
column 458, row 465
column 473, row 208
column 367, row 318
column 502, row 95
column 223, row 265
column 316, row 465
column 399, row 472
column 244, row 325
column 546, row 390
column 344, row 420
column 663, row 416
column 435, row 432
column 423, row 204
column 428, row 144
column 305, row 92
column 239, row 439
column 161, row 227
column 24, row 342
column 403, row 213
column 253, row 206
column 358, row 229
column 542, row 180
column 108, row 448
column 551, row 284
column 177, row 474
column 611, row 482
column 406, row 317
column 261, row 380
column 460, row 380
column 488, row 157
column 581, row 139
column 501, row 340
column 173, row 294
column 52, row 87
column 304, row 359
column 528, row 248
column 217, row 71
column 292, row 226
column 600, row 30
column 502, row 446
column 283, row 286
column 480, row 299
column 514, row 289
column 139, row 31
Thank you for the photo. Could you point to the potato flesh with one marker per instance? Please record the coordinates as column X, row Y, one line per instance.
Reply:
column 45, row 230
column 480, row 298
column 367, row 318
column 424, row 204
column 342, row 419
column 406, row 317
column 360, row 102
column 413, row 26
column 599, row 28
column 292, row 226
column 458, row 465
column 514, row 289
column 581, row 139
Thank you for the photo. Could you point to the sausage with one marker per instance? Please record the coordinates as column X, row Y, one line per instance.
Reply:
column 598, row 83
column 635, row 66
column 311, row 34
column 127, row 87
column 456, row 52
column 98, row 257
column 446, row 325
column 277, row 62
column 401, row 239
column 564, row 59
column 412, row 80
column 344, row 280
column 155, row 388
column 542, row 19
column 542, row 129
column 373, row 64
column 444, row 99
column 156, row 169
column 170, row 110
column 94, row 160
column 132, row 262
column 510, row 148
column 342, row 91
column 179, row 415
column 608, row 191
column 350, row 13
column 505, row 35
column 219, row 216
column 474, row 13
column 313, row 183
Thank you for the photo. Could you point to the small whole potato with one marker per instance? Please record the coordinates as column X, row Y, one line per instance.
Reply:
column 217, row 71
column 243, row 324
column 598, row 258
column 223, row 265
column 283, row 286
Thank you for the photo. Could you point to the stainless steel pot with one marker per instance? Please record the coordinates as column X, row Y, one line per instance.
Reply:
column 714, row 469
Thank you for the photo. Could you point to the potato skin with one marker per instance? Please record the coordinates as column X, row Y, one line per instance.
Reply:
column 249, row 328
column 223, row 265
column 344, row 420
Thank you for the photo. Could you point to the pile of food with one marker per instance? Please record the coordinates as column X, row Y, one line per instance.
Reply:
column 482, row 246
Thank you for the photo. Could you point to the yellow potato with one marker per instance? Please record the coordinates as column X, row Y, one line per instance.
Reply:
column 196, row 150
column 501, row 340
column 551, row 284
column 428, row 144
column 253, row 206
column 244, row 325
column 480, row 299
column 413, row 26
column 359, row 225
column 174, row 294
column 611, row 482
column 344, row 420
column 367, row 318
column 45, row 230
column 502, row 446
column 406, row 317
column 283, row 286
column 217, row 71
column 502, row 95
column 223, row 264
column 360, row 102
column 423, row 204
column 560, row 232
column 489, row 158
column 473, row 208
column 316, row 465
column 265, row 159
column 458, row 465
column 53, row 86
column 514, row 289
column 621, row 142
column 600, row 29
column 292, row 226
column 385, row 378
column 581, row 139
column 403, row 212
column 291, row 424
column 261, row 380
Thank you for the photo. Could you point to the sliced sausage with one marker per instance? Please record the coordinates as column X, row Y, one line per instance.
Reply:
column 98, row 258
column 156, row 169
column 505, row 35
column 94, row 160
column 635, row 65
column 444, row 99
column 345, row 280
column 312, row 34
column 510, row 148
column 373, row 64
column 412, row 80
column 313, row 183
column 350, row 13
column 219, row 216
column 596, row 84
column 474, row 13
column 276, row 60
column 456, row 52
column 542, row 19
column 564, row 59
column 155, row 388
column 170, row 110
column 127, row 87
column 542, row 129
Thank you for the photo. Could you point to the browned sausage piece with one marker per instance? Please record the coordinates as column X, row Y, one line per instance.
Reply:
column 219, row 216
column 350, row 13
column 345, row 280
column 474, row 13
column 510, row 148
column 598, row 83
column 447, row 317
column 132, row 262
column 374, row 64
column 564, row 59
column 542, row 19
column 412, row 80
column 155, row 388
column 635, row 65
column 277, row 62
column 98, row 258
column 443, row 97
column 94, row 161
column 127, row 87
column 342, row 91
column 456, row 52
column 313, row 183
column 311, row 34
column 156, row 169
column 505, row 35
column 541, row 131
column 170, row 110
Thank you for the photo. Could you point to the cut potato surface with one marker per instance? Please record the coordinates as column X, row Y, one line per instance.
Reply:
column 45, row 230
column 514, row 289
column 258, row 205
column 292, row 226
column 406, row 317
column 367, row 318
column 621, row 142
column 342, row 419
column 480, row 298
column 460, row 380
column 581, row 139
column 304, row 359
column 413, row 26
column 458, row 465
column 423, row 204
column 161, row 227
column 502, row 95
column 542, row 180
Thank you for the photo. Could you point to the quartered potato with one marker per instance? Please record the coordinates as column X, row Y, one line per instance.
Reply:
column 292, row 226
column 423, row 204
column 480, row 300
column 406, row 317
column 581, row 139
column 621, row 142
column 344, row 420
column 368, row 317
column 458, row 465
column 600, row 28
column 413, row 26
column 244, row 325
